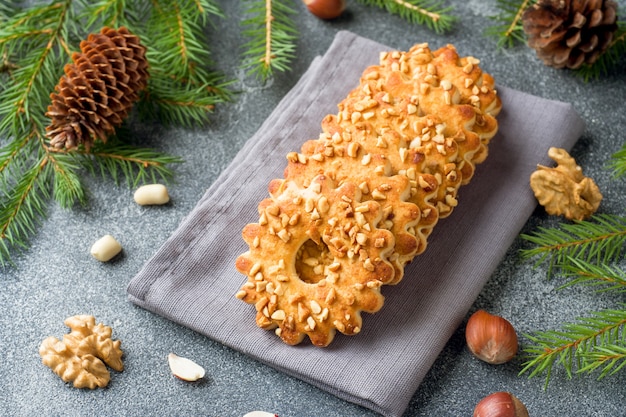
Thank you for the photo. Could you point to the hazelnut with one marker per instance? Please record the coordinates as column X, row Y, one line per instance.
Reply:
column 491, row 338
column 326, row 9
column 500, row 404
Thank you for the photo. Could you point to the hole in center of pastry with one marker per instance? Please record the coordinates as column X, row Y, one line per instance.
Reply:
column 311, row 261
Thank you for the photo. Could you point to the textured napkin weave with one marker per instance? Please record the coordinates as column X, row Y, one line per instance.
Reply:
column 192, row 279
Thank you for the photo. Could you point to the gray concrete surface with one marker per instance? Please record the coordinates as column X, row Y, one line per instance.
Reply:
column 56, row 277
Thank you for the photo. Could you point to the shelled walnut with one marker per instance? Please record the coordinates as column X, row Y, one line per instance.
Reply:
column 84, row 353
column 564, row 190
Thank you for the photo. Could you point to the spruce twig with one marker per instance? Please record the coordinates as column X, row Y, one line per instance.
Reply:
column 603, row 276
column 508, row 29
column 24, row 202
column 115, row 13
column 181, row 89
column 137, row 165
column 43, row 31
column 594, row 342
column 420, row 12
column 617, row 163
column 271, row 37
column 600, row 239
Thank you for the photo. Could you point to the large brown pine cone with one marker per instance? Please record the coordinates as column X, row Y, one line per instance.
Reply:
column 570, row 33
column 98, row 89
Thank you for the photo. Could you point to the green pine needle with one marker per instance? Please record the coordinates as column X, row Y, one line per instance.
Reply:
column 508, row 28
column 68, row 187
column 271, row 37
column 117, row 161
column 114, row 13
column 600, row 239
column 5, row 11
column 603, row 276
column 419, row 12
column 178, row 46
column 23, row 206
column 597, row 342
column 182, row 104
column 617, row 163
column 44, row 32
column 35, row 44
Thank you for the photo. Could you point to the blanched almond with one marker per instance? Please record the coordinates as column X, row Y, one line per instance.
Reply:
column 184, row 368
column 105, row 248
column 151, row 194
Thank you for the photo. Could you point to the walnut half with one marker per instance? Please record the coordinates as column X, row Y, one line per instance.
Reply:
column 83, row 354
column 564, row 190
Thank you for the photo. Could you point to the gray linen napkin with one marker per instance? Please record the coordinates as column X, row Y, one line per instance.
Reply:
column 192, row 279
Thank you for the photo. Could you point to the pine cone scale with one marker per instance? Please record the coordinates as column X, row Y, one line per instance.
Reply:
column 596, row 18
column 574, row 40
column 579, row 21
column 610, row 16
column 591, row 44
column 98, row 89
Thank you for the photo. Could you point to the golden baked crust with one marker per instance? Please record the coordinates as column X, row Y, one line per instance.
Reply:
column 316, row 260
column 402, row 143
column 427, row 116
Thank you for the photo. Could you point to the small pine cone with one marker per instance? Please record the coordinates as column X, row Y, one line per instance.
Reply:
column 570, row 33
column 98, row 90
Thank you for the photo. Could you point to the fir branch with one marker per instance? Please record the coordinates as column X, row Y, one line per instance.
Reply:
column 594, row 342
column 420, row 12
column 115, row 13
column 178, row 44
column 23, row 206
column 610, row 357
column 271, row 34
column 113, row 160
column 68, row 187
column 609, row 59
column 44, row 29
column 599, row 239
column 12, row 158
column 181, row 89
column 5, row 11
column 617, row 163
column 184, row 104
column 508, row 30
column 588, row 274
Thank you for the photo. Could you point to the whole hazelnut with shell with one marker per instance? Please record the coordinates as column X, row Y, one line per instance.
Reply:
column 491, row 338
column 500, row 404
column 326, row 9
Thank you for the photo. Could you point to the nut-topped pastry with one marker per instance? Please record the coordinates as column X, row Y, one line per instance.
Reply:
column 401, row 145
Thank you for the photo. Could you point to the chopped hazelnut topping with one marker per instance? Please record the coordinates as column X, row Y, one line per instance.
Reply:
column 315, row 307
column 278, row 315
column 353, row 149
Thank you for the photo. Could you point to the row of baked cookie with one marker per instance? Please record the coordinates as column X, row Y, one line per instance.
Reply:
column 359, row 202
